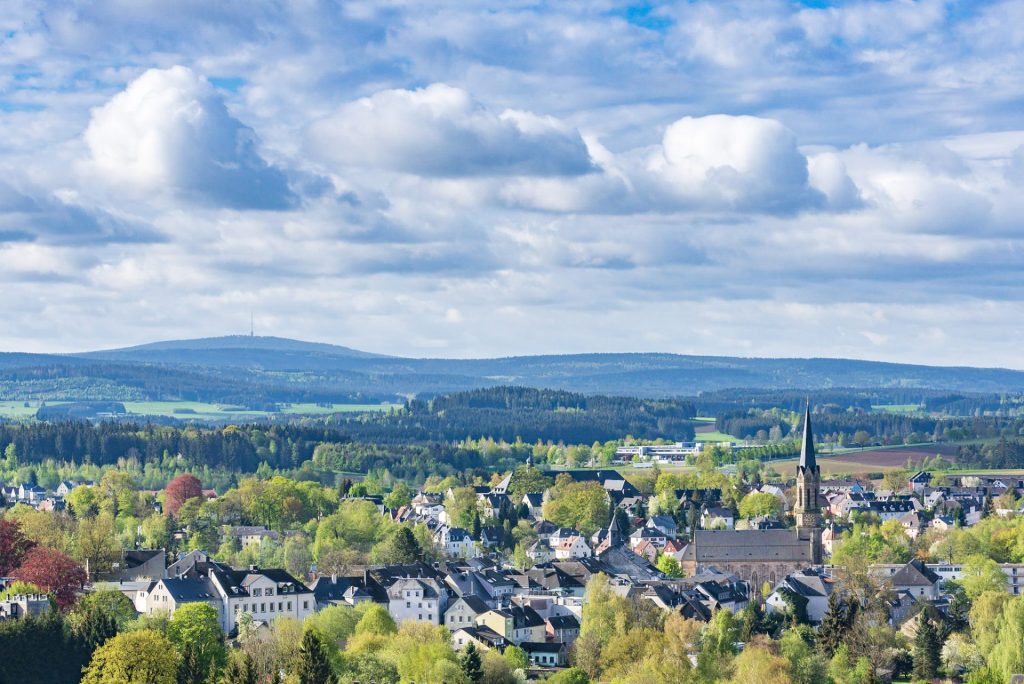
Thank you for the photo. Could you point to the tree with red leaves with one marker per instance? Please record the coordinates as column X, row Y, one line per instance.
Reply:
column 179, row 490
column 13, row 546
column 54, row 572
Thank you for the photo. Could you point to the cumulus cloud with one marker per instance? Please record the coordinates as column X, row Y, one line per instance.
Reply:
column 170, row 130
column 742, row 162
column 441, row 131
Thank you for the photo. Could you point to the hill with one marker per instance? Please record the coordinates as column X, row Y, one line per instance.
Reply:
column 263, row 371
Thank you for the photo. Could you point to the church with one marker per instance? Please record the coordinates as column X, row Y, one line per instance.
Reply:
column 767, row 555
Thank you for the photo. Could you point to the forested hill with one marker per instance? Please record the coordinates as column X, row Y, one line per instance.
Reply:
column 267, row 370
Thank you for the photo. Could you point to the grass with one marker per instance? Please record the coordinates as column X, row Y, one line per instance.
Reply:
column 898, row 408
column 17, row 409
column 714, row 437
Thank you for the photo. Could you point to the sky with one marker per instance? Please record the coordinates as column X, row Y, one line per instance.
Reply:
column 466, row 179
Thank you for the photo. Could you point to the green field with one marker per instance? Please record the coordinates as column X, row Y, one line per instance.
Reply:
column 198, row 410
column 205, row 411
column 897, row 408
column 714, row 437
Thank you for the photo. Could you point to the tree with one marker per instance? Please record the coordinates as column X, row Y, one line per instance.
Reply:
column 376, row 620
column 470, row 662
column 240, row 670
column 142, row 657
column 981, row 574
column 582, row 505
column 757, row 504
column 516, row 657
column 460, row 506
column 96, row 543
column 399, row 496
column 14, row 545
column 670, row 566
column 314, row 664
column 861, row 438
column 197, row 626
column 527, row 480
column 927, row 649
column 398, row 546
column 573, row 675
column 190, row 667
column 757, row 665
column 53, row 571
column 834, row 624
column 179, row 490
column 40, row 650
column 95, row 628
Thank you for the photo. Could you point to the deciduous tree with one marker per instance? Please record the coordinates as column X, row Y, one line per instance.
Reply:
column 179, row 490
column 53, row 571
column 14, row 545
column 142, row 657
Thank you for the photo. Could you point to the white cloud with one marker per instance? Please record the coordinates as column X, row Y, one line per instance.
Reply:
column 739, row 162
column 441, row 131
column 169, row 129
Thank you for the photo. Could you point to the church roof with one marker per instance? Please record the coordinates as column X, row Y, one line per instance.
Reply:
column 710, row 546
column 807, row 459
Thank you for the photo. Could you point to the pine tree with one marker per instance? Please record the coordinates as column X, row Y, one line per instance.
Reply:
column 471, row 663
column 927, row 650
column 190, row 668
column 96, row 628
column 314, row 666
column 239, row 671
column 834, row 625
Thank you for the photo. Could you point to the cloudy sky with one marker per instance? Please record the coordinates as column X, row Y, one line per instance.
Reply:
column 761, row 178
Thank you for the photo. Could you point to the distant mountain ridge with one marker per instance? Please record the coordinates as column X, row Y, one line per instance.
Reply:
column 246, row 370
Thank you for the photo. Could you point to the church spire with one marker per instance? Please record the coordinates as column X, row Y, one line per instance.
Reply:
column 807, row 460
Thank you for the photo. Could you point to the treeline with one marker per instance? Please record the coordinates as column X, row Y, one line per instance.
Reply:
column 509, row 413
column 1002, row 454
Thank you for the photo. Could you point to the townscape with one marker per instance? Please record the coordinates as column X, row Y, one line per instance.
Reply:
column 537, row 573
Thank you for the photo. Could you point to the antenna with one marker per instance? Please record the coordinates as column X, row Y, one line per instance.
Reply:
column 252, row 327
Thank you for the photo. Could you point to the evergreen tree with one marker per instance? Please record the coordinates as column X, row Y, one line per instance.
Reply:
column 239, row 671
column 471, row 663
column 927, row 650
column 314, row 665
column 190, row 668
column 95, row 628
column 834, row 625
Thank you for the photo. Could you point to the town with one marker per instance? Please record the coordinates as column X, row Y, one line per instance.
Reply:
column 519, row 573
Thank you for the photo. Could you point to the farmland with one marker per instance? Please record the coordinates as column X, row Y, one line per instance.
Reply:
column 197, row 410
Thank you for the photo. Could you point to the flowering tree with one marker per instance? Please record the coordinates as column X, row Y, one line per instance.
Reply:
column 179, row 490
column 53, row 571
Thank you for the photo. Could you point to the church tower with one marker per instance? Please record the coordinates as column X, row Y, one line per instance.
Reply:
column 808, row 487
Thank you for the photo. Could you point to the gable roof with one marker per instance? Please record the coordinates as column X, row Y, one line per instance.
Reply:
column 914, row 574
column 711, row 546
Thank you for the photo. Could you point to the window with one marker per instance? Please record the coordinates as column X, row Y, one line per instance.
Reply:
column 305, row 605
column 257, row 592
column 280, row 605
column 271, row 606
column 289, row 605
column 408, row 604
column 263, row 607
column 269, row 592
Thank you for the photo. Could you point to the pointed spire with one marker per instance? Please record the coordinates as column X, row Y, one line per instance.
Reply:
column 807, row 460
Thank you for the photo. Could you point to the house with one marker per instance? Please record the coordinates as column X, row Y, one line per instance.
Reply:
column 540, row 552
column 334, row 590
column 646, row 550
column 263, row 593
column 563, row 629
column 494, row 504
column 573, row 547
column 917, row 579
column 674, row 548
column 652, row 535
column 31, row 493
column 665, row 524
column 943, row 523
column 546, row 654
column 913, row 524
column 417, row 598
column 21, row 606
column 919, row 481
column 515, row 623
column 484, row 638
column 455, row 542
column 64, row 488
column 717, row 518
column 890, row 509
column 463, row 612
column 810, row 586
column 492, row 536
column 534, row 502
column 138, row 564
column 251, row 535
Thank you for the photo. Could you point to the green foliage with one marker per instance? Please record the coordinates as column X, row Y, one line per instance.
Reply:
column 471, row 664
column 240, row 670
column 927, row 649
column 376, row 620
column 759, row 503
column 670, row 566
column 138, row 657
column 197, row 626
column 573, row 675
column 516, row 658
column 40, row 650
column 581, row 505
column 314, row 663
column 527, row 480
column 835, row 624
column 398, row 546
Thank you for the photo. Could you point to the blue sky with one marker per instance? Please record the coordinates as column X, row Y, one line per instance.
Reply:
column 466, row 178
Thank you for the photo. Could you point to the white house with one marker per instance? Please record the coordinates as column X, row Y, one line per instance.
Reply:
column 455, row 542
column 572, row 548
column 417, row 598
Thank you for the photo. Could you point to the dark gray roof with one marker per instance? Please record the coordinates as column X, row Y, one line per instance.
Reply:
column 711, row 546
column 194, row 589
column 914, row 574
column 563, row 622
column 807, row 461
